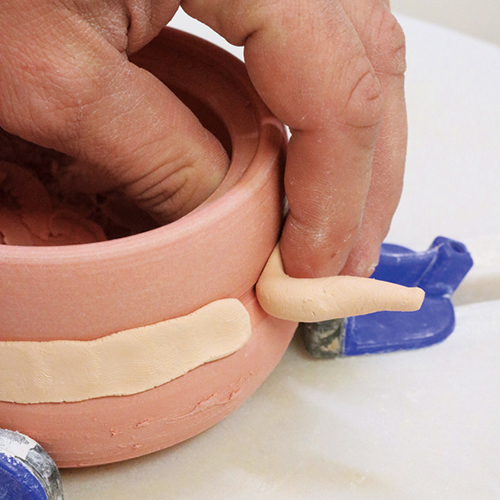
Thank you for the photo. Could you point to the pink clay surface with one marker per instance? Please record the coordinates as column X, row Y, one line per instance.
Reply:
column 87, row 291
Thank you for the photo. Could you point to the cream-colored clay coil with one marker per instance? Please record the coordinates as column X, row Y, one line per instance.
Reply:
column 321, row 299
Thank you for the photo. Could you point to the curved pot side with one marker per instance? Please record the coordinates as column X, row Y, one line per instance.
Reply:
column 217, row 251
column 111, row 429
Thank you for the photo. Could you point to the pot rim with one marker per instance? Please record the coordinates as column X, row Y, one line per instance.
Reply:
column 245, row 170
column 217, row 251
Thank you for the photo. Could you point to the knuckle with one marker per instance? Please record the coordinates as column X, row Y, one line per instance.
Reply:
column 43, row 114
column 389, row 56
column 145, row 20
column 363, row 101
column 167, row 197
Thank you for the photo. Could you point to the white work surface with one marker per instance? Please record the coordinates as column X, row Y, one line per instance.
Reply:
column 404, row 426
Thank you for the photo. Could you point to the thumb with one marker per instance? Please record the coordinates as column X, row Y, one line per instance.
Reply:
column 63, row 86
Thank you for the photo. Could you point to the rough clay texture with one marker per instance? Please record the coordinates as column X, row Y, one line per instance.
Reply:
column 111, row 429
column 85, row 292
column 54, row 213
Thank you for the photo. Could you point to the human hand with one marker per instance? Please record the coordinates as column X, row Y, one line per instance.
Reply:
column 66, row 84
column 332, row 70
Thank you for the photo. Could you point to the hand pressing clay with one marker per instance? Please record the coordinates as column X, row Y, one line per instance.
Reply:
column 102, row 294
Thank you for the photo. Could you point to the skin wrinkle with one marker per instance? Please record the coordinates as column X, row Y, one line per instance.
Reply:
column 155, row 201
column 237, row 21
column 323, row 233
column 392, row 60
column 364, row 103
column 30, row 68
column 317, row 201
column 109, row 21
column 71, row 107
column 319, row 102
column 107, row 100
column 84, row 127
column 160, row 193
column 322, row 66
column 146, row 18
column 384, row 42
column 320, row 233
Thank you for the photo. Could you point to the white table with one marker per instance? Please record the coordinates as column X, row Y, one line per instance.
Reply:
column 404, row 426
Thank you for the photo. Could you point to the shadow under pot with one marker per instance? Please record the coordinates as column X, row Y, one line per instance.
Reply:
column 119, row 348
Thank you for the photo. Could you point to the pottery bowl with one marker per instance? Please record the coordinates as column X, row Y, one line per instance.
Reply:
column 91, row 291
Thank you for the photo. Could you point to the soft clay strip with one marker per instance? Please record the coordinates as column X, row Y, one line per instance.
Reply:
column 320, row 299
column 123, row 363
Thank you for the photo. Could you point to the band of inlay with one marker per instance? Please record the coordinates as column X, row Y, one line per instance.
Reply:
column 140, row 359
column 123, row 363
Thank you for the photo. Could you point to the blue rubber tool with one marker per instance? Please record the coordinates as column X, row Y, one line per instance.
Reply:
column 438, row 271
column 26, row 471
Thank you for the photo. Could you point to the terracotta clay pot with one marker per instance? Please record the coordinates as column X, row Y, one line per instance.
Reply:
column 84, row 292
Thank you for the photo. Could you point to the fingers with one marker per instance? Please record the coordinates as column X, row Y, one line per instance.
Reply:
column 385, row 44
column 325, row 67
column 65, row 85
column 310, row 66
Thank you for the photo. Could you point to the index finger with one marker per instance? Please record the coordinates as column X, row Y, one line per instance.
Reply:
column 309, row 66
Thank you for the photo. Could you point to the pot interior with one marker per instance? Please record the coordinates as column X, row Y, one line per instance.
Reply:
column 146, row 274
column 86, row 217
